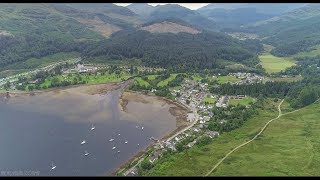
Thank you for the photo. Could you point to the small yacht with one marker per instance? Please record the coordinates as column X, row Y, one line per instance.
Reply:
column 111, row 140
column 138, row 144
column 86, row 153
column 113, row 147
column 53, row 166
column 92, row 127
column 142, row 128
column 118, row 151
column 126, row 142
column 83, row 142
column 119, row 134
column 137, row 126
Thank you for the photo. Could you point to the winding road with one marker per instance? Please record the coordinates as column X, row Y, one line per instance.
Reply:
column 264, row 127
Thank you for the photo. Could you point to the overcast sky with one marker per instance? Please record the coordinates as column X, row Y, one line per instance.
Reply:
column 192, row 6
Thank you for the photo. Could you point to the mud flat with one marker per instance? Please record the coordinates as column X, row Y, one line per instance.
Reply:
column 129, row 100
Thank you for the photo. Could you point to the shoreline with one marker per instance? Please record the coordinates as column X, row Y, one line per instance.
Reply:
column 32, row 93
column 123, row 103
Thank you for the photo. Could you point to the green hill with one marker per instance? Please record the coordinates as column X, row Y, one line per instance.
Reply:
column 181, row 50
column 39, row 30
column 293, row 32
column 288, row 147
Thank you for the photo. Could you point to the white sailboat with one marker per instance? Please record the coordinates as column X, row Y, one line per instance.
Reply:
column 86, row 153
column 92, row 127
column 119, row 134
column 113, row 147
column 118, row 151
column 142, row 128
column 126, row 142
column 111, row 140
column 53, row 166
column 83, row 142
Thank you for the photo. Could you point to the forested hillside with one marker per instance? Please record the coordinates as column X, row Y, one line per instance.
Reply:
column 292, row 32
column 234, row 15
column 202, row 50
column 168, row 11
column 38, row 30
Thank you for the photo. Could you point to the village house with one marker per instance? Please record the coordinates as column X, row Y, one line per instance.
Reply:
column 223, row 101
column 82, row 68
column 196, row 129
column 237, row 97
column 201, row 126
column 190, row 117
column 155, row 155
column 177, row 138
column 133, row 172
column 212, row 134
column 170, row 146
column 206, row 118
column 191, row 144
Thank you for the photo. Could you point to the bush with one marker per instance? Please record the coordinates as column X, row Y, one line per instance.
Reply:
column 146, row 164
column 203, row 141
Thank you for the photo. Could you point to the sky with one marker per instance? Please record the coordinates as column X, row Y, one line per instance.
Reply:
column 191, row 6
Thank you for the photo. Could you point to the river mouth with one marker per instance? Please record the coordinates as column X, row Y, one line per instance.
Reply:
column 48, row 128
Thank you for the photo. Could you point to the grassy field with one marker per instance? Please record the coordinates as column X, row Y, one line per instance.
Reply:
column 245, row 101
column 290, row 146
column 288, row 79
column 224, row 79
column 7, row 73
column 209, row 100
column 274, row 64
column 141, row 82
column 165, row 82
column 107, row 78
column 197, row 161
column 196, row 77
column 152, row 77
column 312, row 53
column 44, row 61
column 91, row 79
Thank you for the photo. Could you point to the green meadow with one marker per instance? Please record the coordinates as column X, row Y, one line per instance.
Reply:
column 274, row 64
column 289, row 146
